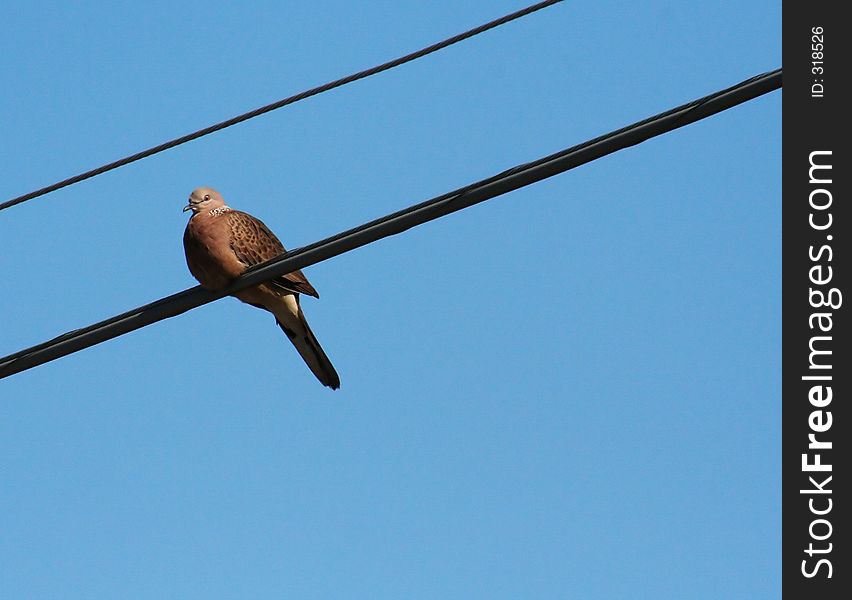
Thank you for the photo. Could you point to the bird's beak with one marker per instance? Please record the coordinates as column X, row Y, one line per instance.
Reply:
column 187, row 207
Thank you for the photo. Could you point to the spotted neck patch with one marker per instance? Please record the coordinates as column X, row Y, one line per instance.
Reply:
column 219, row 210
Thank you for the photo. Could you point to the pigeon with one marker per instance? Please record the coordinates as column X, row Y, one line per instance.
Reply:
column 220, row 243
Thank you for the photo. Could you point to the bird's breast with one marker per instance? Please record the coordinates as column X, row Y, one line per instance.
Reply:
column 209, row 256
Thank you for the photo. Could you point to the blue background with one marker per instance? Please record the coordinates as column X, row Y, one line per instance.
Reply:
column 572, row 391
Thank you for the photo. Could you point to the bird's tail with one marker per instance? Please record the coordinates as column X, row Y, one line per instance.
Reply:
column 311, row 352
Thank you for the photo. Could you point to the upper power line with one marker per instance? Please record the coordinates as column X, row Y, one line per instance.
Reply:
column 397, row 222
column 280, row 103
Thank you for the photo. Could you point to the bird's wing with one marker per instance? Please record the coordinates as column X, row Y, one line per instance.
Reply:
column 253, row 243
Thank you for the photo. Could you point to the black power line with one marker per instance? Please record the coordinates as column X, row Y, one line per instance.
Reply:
column 397, row 222
column 270, row 107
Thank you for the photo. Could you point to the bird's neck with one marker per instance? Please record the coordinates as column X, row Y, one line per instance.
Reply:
column 219, row 210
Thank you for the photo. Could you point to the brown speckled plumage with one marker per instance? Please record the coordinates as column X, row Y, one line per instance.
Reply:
column 253, row 243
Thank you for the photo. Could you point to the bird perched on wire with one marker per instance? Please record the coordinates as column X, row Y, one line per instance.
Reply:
column 220, row 243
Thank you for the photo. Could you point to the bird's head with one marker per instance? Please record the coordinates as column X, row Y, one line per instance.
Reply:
column 204, row 199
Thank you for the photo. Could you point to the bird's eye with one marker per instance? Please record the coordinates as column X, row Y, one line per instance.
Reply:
column 207, row 196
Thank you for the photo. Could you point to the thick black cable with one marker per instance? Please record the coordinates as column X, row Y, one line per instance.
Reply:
column 275, row 105
column 397, row 222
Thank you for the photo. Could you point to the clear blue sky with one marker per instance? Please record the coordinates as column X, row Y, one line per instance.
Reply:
column 572, row 391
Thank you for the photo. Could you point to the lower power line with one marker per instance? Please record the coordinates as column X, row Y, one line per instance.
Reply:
column 395, row 223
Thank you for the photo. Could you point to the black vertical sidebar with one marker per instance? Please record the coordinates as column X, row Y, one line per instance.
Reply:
column 816, row 370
